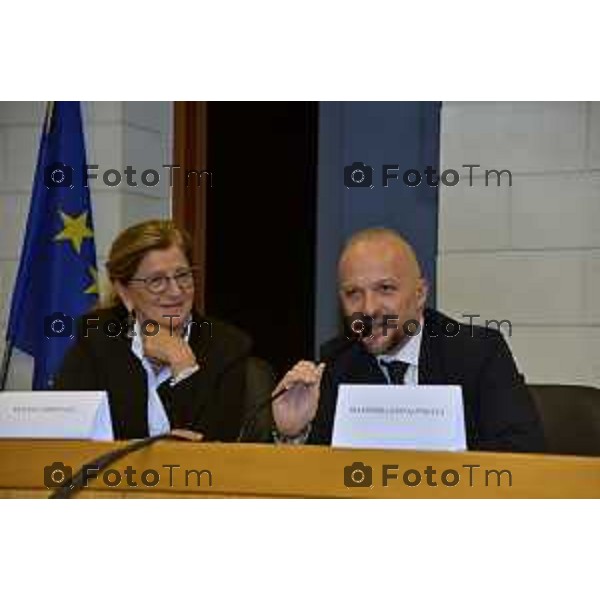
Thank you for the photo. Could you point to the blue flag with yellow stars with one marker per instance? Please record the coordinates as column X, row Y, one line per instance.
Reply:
column 57, row 277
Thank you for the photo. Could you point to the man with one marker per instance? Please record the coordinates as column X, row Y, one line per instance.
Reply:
column 379, row 275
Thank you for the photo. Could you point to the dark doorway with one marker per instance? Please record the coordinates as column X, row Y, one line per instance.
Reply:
column 261, row 224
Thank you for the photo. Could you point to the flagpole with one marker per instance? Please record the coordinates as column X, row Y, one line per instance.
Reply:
column 5, row 364
column 48, row 116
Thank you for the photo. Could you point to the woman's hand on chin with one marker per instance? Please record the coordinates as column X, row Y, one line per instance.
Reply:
column 169, row 349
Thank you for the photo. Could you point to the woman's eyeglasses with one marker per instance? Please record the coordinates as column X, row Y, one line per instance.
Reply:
column 156, row 284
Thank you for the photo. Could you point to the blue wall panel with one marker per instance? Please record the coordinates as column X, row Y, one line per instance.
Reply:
column 375, row 133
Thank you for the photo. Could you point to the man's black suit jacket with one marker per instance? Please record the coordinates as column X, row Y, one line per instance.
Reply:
column 209, row 401
column 499, row 412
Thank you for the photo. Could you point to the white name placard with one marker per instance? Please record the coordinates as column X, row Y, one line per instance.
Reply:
column 71, row 415
column 418, row 417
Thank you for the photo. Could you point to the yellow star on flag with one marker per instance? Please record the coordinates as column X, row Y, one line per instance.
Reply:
column 75, row 230
column 93, row 287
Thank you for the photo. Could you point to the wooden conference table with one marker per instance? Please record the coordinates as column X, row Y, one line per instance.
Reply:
column 196, row 470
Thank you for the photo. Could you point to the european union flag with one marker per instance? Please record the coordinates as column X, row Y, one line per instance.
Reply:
column 57, row 277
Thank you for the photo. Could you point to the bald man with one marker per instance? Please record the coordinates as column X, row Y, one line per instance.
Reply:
column 379, row 277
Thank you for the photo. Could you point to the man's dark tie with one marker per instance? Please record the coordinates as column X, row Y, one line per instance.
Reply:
column 396, row 370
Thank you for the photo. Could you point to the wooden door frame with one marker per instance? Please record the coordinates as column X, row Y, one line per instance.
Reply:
column 189, row 190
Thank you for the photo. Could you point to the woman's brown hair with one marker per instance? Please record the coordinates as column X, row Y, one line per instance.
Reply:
column 131, row 246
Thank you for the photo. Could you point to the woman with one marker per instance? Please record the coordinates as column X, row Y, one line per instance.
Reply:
column 163, row 366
